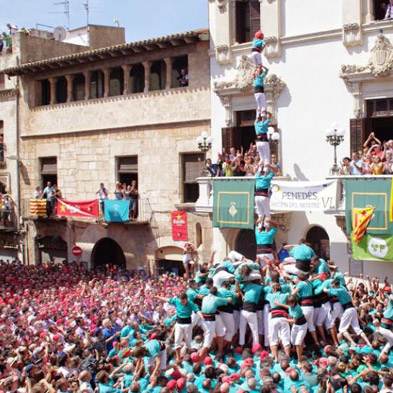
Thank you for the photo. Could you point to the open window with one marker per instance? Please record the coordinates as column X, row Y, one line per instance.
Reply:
column 247, row 19
column 78, row 87
column 137, row 78
column 127, row 169
column 157, row 75
column 97, row 84
column 180, row 71
column 192, row 166
column 48, row 166
column 61, row 90
column 116, row 81
column 380, row 9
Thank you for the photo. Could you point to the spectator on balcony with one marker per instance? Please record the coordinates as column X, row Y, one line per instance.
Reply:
column 388, row 162
column 249, row 166
column 183, row 78
column 7, row 205
column 38, row 193
column 389, row 10
column 134, row 196
column 370, row 141
column 227, row 168
column 357, row 164
column 58, row 193
column 49, row 194
column 345, row 167
column 102, row 195
column 119, row 192
column 238, row 167
column 377, row 166
column 274, row 162
column 213, row 169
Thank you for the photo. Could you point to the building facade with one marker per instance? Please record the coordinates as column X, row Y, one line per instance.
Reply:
column 329, row 62
column 114, row 114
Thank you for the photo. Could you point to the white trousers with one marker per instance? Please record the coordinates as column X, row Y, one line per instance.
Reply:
column 388, row 335
column 211, row 330
column 263, row 149
column 349, row 318
column 236, row 317
column 336, row 312
column 262, row 204
column 256, row 57
column 266, row 318
column 321, row 315
column 298, row 332
column 228, row 321
column 260, row 99
column 235, row 256
column 262, row 256
column 163, row 358
column 260, row 322
column 183, row 332
column 250, row 319
column 279, row 331
column 308, row 312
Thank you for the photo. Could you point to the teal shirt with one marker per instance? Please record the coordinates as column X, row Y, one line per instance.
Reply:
column 153, row 347
column 204, row 290
column 252, row 292
column 183, row 310
column 279, row 296
column 210, row 304
column 322, row 266
column 342, row 295
column 226, row 293
column 192, row 294
column 302, row 252
column 389, row 310
column 296, row 312
column 265, row 237
column 304, row 289
column 261, row 127
column 258, row 43
column 262, row 182
column 259, row 80
column 106, row 388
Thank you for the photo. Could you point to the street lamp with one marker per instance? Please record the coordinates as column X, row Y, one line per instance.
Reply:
column 334, row 136
column 204, row 142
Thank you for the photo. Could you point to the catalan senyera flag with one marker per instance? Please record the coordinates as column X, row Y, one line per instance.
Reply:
column 88, row 209
column 361, row 219
column 391, row 204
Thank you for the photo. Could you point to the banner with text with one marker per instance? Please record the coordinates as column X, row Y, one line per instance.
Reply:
column 77, row 208
column 302, row 196
column 366, row 193
column 179, row 225
column 373, row 248
column 234, row 203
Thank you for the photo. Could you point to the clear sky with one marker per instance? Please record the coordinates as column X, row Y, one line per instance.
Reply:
column 141, row 18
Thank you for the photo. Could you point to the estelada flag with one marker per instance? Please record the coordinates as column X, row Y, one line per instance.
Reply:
column 361, row 218
column 88, row 209
column 179, row 225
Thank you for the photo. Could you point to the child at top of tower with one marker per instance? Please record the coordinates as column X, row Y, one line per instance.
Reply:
column 258, row 45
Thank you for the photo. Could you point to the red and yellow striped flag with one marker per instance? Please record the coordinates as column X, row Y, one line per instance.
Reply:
column 391, row 204
column 361, row 219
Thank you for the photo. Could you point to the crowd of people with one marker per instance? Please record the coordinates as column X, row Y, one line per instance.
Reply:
column 236, row 326
column 376, row 158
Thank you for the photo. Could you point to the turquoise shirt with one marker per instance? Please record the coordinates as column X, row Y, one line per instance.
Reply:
column 204, row 290
column 262, row 182
column 261, row 127
column 259, row 80
column 322, row 266
column 106, row 388
column 279, row 296
column 258, row 43
column 252, row 292
column 296, row 312
column 304, row 289
column 153, row 347
column 183, row 310
column 210, row 304
column 389, row 310
column 340, row 277
column 265, row 237
column 226, row 293
column 192, row 294
column 302, row 252
column 342, row 295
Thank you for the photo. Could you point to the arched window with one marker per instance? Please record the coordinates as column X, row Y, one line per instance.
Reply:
column 319, row 240
column 61, row 90
column 157, row 75
column 97, row 84
column 116, row 82
column 78, row 87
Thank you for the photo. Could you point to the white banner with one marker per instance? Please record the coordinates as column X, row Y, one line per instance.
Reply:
column 302, row 196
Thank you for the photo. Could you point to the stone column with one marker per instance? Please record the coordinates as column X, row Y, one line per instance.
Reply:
column 370, row 11
column 52, row 83
column 87, row 75
column 147, row 65
column 70, row 79
column 126, row 78
column 168, row 79
column 106, row 72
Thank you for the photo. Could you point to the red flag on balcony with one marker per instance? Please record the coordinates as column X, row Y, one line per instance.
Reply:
column 88, row 209
column 179, row 226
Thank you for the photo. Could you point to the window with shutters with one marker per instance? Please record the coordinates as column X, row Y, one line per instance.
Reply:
column 48, row 170
column 127, row 169
column 192, row 167
column 247, row 19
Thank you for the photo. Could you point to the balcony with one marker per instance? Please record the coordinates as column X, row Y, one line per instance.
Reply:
column 38, row 213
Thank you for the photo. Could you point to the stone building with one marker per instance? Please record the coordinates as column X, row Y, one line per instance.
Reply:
column 329, row 62
column 115, row 113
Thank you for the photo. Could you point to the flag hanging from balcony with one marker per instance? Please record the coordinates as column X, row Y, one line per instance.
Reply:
column 369, row 192
column 87, row 209
column 116, row 210
column 361, row 219
column 391, row 203
column 179, row 225
column 233, row 203
column 373, row 248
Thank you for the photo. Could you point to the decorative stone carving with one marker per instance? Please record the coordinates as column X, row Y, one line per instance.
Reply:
column 227, row 103
column 223, row 54
column 352, row 34
column 380, row 62
column 221, row 4
column 272, row 48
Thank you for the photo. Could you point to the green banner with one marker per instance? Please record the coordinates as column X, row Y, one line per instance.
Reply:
column 373, row 248
column 360, row 193
column 233, row 203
